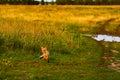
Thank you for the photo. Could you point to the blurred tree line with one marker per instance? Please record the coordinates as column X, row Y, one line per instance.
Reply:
column 63, row 2
column 88, row 2
column 27, row 2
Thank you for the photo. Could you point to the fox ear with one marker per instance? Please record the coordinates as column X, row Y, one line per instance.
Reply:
column 41, row 47
column 45, row 47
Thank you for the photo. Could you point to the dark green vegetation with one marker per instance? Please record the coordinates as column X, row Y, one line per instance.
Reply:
column 61, row 2
column 24, row 29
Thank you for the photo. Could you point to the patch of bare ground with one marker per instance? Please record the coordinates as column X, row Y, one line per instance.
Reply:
column 114, row 66
column 115, row 63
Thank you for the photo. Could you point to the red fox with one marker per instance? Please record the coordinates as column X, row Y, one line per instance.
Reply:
column 45, row 54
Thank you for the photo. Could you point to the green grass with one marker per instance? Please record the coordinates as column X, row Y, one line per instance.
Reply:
column 24, row 29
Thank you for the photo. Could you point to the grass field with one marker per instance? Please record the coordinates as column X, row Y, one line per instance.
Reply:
column 24, row 29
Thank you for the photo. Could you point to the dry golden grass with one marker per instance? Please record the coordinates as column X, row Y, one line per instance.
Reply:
column 74, row 14
column 37, row 19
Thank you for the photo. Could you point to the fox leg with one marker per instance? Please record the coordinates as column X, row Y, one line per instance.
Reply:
column 46, row 57
column 48, row 60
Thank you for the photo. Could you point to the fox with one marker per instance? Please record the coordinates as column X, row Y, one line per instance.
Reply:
column 45, row 54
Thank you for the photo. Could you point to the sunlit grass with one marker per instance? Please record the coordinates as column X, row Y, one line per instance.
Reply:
column 50, row 15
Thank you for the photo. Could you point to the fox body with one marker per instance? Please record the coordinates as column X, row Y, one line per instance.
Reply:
column 45, row 54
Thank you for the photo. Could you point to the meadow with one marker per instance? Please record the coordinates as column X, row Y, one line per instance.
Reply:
column 73, row 56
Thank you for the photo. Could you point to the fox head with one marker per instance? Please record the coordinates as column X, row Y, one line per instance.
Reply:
column 44, row 49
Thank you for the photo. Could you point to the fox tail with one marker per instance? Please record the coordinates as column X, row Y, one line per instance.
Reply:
column 41, row 57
